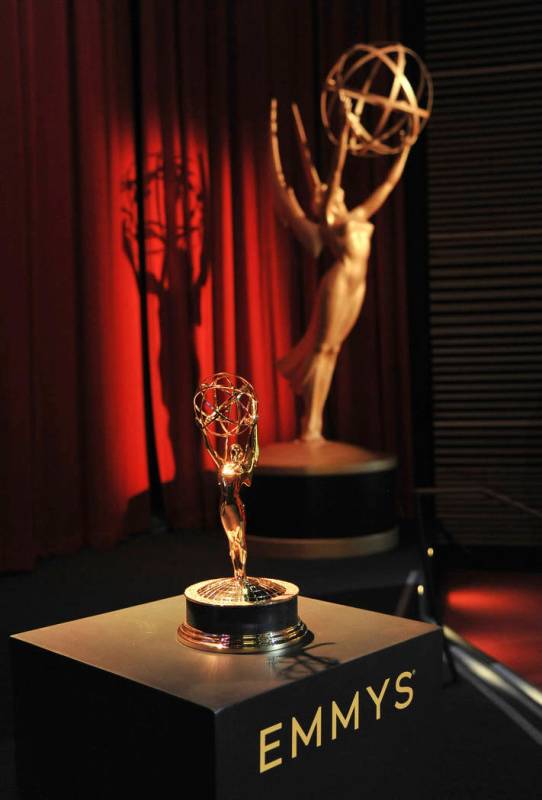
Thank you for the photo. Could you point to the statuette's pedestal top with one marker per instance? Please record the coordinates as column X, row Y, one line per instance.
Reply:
column 322, row 457
column 256, row 615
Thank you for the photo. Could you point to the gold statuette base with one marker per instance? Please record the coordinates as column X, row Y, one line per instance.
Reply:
column 257, row 616
column 293, row 636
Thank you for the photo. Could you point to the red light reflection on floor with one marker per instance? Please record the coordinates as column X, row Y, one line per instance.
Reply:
column 500, row 613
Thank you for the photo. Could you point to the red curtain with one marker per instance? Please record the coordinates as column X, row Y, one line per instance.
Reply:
column 74, row 447
column 227, row 289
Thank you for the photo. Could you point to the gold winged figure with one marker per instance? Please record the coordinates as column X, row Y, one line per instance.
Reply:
column 310, row 364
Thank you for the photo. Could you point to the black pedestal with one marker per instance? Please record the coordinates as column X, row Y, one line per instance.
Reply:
column 322, row 500
column 114, row 706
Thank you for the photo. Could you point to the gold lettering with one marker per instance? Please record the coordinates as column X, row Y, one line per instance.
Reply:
column 297, row 730
column 404, row 690
column 265, row 747
column 345, row 721
column 378, row 699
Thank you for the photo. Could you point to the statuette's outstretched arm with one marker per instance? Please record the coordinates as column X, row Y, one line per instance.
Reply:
column 252, row 457
column 329, row 205
column 292, row 215
column 377, row 199
column 312, row 178
column 210, row 449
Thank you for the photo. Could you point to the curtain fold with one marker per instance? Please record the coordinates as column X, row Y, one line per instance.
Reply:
column 227, row 288
column 74, row 449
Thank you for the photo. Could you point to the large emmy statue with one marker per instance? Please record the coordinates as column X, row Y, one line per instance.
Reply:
column 369, row 107
column 375, row 102
column 236, row 614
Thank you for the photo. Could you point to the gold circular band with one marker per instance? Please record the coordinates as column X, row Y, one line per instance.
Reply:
column 293, row 636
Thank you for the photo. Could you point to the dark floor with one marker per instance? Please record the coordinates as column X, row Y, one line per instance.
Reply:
column 483, row 753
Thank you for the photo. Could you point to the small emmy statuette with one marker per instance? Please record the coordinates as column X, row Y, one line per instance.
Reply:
column 238, row 614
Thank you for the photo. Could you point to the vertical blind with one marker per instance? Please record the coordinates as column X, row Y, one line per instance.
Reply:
column 485, row 265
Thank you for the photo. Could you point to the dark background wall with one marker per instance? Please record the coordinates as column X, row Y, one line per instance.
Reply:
column 485, row 274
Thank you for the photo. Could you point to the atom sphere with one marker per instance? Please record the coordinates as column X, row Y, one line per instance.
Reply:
column 385, row 94
column 225, row 405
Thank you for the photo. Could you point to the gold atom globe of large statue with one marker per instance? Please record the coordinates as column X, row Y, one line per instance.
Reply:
column 388, row 93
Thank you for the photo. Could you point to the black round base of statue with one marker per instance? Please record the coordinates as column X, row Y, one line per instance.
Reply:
column 322, row 500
